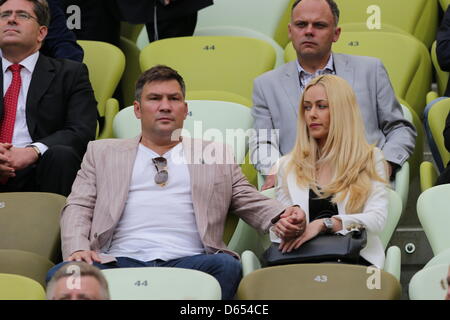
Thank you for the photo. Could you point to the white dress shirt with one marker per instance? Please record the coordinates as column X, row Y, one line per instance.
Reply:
column 21, row 136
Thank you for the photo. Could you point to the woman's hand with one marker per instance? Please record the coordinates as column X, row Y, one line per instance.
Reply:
column 312, row 230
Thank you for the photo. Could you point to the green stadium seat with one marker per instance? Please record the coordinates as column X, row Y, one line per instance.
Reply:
column 132, row 70
column 16, row 287
column 427, row 283
column 158, row 283
column 322, row 281
column 436, row 122
column 105, row 63
column 223, row 63
column 259, row 15
column 441, row 75
column 428, row 175
column 27, row 264
column 432, row 210
column 417, row 17
column 29, row 221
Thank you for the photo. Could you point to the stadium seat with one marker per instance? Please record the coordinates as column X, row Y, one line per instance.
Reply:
column 417, row 17
column 444, row 4
column 217, row 95
column 441, row 75
column 130, row 31
column 322, row 281
column 427, row 284
column 213, row 63
column 106, row 64
column 436, row 122
column 259, row 15
column 27, row 264
column 16, row 287
column 243, row 32
column 29, row 221
column 132, row 70
column 433, row 212
column 442, row 258
column 251, row 244
column 158, row 283
column 428, row 175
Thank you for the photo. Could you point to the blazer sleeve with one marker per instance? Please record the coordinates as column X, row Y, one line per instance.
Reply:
column 249, row 204
column 400, row 133
column 375, row 210
column 264, row 147
column 77, row 214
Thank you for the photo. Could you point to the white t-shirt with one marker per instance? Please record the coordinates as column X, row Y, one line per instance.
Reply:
column 157, row 222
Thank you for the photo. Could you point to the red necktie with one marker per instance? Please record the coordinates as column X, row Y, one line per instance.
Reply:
column 10, row 107
column 10, row 104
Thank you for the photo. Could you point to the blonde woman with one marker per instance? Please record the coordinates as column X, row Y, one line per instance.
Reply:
column 332, row 173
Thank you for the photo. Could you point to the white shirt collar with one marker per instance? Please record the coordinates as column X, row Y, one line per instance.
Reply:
column 29, row 63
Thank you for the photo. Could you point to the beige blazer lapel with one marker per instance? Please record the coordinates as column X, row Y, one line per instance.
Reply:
column 120, row 171
column 202, row 180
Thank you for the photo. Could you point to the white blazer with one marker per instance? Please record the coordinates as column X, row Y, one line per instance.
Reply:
column 373, row 215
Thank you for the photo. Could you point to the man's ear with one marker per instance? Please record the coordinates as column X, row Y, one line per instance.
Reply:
column 137, row 109
column 43, row 31
column 337, row 33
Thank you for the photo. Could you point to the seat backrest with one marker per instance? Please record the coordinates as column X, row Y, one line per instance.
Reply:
column 321, row 281
column 16, row 287
column 441, row 75
column 132, row 69
column 444, row 4
column 226, row 63
column 409, row 68
column 158, row 283
column 436, row 121
column 394, row 214
column 207, row 119
column 417, row 17
column 427, row 283
column 217, row 95
column 433, row 212
column 25, row 263
column 105, row 63
column 260, row 15
column 442, row 258
column 243, row 32
column 29, row 221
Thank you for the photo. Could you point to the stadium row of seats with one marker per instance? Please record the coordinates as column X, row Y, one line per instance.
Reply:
column 29, row 242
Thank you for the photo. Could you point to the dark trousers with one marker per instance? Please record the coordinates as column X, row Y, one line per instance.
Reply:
column 224, row 267
column 54, row 172
column 183, row 26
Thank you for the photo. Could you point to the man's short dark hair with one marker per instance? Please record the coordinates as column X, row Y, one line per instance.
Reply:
column 158, row 73
column 41, row 11
column 333, row 7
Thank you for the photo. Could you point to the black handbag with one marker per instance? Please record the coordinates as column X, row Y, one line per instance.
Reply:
column 322, row 248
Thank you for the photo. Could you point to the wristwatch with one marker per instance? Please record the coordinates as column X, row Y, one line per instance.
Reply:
column 328, row 222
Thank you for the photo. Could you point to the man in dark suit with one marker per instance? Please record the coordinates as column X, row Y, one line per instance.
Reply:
column 48, row 110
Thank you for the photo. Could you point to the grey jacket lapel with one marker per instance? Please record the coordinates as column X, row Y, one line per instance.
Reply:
column 343, row 68
column 291, row 85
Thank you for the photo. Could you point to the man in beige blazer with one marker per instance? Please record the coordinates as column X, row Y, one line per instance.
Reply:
column 153, row 201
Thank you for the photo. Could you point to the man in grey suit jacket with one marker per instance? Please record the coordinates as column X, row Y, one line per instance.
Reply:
column 153, row 201
column 276, row 94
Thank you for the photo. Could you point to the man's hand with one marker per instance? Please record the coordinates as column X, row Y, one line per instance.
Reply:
column 21, row 158
column 269, row 182
column 86, row 256
column 6, row 169
column 292, row 223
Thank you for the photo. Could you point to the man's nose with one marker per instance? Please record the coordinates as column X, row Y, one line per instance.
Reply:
column 309, row 30
column 166, row 104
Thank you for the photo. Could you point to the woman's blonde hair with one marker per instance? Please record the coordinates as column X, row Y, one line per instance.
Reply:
column 346, row 149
